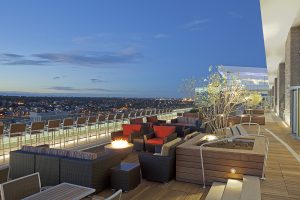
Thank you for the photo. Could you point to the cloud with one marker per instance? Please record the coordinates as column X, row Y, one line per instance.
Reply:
column 59, row 77
column 12, row 55
column 96, row 80
column 62, row 88
column 195, row 24
column 67, row 88
column 86, row 58
column 160, row 36
column 235, row 15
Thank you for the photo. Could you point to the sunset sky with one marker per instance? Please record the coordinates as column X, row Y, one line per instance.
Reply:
column 132, row 48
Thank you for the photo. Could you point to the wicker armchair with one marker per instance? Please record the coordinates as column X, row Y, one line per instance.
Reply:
column 161, row 135
column 160, row 168
column 129, row 132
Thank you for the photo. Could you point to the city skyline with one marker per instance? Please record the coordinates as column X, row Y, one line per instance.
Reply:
column 122, row 49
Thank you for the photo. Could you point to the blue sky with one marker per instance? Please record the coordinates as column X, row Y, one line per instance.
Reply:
column 130, row 48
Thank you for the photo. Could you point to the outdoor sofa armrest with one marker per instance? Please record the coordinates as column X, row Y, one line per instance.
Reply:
column 136, row 135
column 170, row 137
column 186, row 131
column 116, row 134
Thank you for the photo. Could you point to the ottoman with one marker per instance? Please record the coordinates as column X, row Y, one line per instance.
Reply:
column 125, row 176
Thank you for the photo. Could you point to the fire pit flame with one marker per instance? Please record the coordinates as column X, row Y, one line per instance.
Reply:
column 119, row 144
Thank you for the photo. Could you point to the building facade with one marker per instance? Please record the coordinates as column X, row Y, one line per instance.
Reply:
column 281, row 29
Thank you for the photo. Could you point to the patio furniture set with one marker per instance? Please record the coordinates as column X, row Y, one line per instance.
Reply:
column 155, row 140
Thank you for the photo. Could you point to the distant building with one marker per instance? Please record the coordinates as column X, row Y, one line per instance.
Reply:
column 253, row 78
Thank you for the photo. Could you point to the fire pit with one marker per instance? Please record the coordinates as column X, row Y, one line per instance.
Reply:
column 119, row 146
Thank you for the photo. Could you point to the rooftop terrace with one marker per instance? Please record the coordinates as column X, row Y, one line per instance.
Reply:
column 282, row 171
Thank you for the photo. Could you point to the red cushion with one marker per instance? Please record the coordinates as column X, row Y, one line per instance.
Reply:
column 123, row 137
column 130, row 128
column 163, row 131
column 152, row 119
column 155, row 141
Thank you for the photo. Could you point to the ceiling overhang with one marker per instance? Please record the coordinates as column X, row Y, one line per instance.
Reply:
column 278, row 16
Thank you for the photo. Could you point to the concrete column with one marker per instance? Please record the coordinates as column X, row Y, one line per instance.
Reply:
column 276, row 95
column 292, row 67
column 281, row 90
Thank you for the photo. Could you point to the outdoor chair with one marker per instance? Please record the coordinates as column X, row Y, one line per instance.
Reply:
column 101, row 122
column 37, row 129
column 125, row 118
column 2, row 139
column 111, row 119
column 91, row 122
column 53, row 127
column 129, row 132
column 21, row 187
column 160, row 136
column 119, row 119
column 67, row 125
column 160, row 166
column 148, row 113
column 80, row 123
column 16, row 131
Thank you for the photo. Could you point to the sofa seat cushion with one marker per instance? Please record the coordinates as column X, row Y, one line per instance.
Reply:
column 130, row 128
column 163, row 131
column 155, row 141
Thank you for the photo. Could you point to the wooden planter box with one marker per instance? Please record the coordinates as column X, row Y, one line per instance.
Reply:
column 218, row 161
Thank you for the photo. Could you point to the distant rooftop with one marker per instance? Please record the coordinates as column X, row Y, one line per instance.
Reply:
column 254, row 78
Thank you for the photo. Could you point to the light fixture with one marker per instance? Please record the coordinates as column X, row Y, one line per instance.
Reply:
column 232, row 170
column 210, row 137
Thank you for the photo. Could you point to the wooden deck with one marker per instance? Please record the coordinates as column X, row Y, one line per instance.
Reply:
column 282, row 174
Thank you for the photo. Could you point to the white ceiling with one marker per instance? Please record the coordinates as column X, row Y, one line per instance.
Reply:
column 278, row 16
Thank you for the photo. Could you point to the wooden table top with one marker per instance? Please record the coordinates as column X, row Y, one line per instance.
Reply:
column 63, row 191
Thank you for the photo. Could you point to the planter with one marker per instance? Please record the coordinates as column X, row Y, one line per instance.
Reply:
column 243, row 157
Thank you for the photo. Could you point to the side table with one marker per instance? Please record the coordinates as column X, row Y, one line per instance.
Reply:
column 125, row 176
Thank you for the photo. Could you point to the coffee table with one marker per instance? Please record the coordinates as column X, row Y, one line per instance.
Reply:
column 63, row 191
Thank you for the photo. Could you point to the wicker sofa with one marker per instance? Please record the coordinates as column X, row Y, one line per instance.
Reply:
column 160, row 167
column 57, row 165
column 192, row 123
